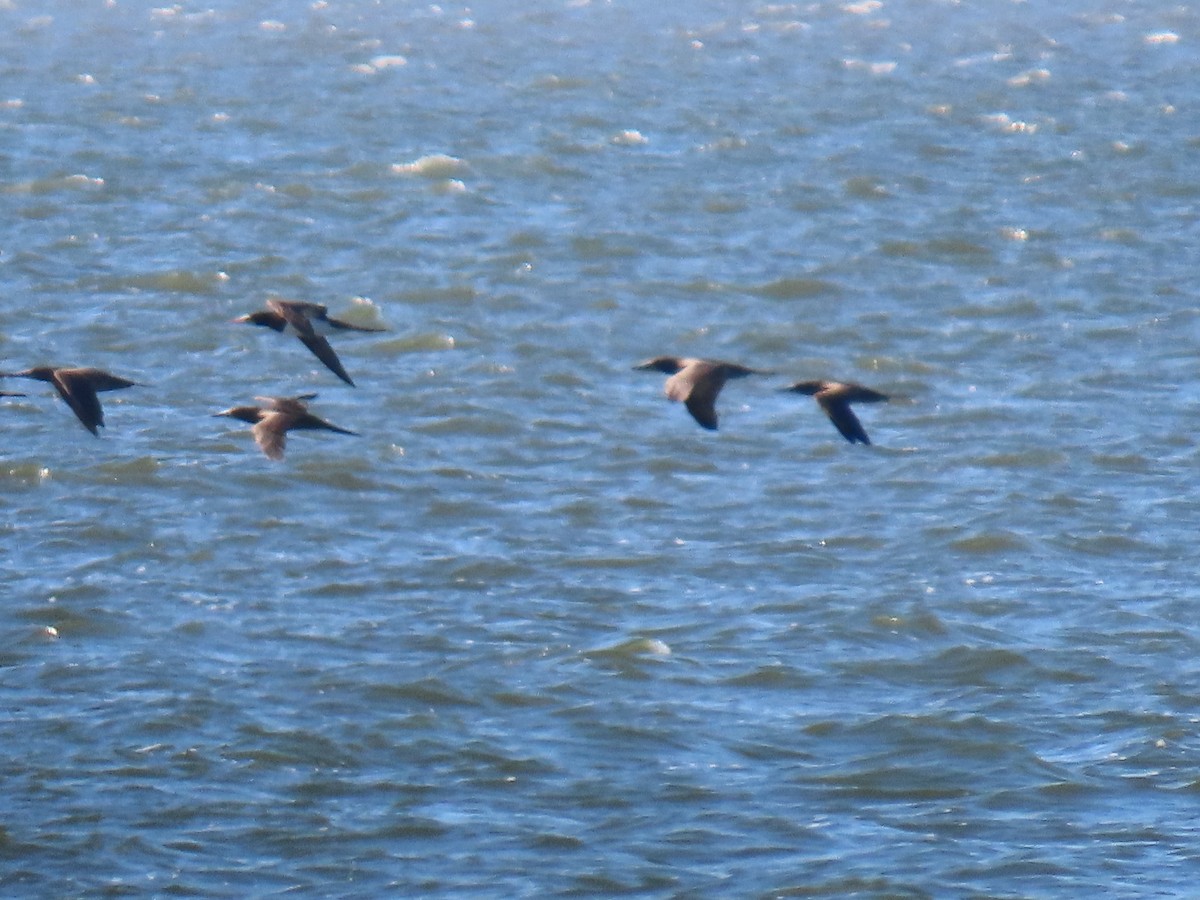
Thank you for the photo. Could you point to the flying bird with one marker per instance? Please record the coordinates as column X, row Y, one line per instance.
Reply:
column 697, row 382
column 78, row 387
column 309, row 322
column 835, row 398
column 280, row 415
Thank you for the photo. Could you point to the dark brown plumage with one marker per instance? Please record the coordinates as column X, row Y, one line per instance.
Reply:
column 78, row 388
column 697, row 382
column 835, row 398
column 306, row 321
column 280, row 415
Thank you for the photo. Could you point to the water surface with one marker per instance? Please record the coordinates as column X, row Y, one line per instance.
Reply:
column 535, row 632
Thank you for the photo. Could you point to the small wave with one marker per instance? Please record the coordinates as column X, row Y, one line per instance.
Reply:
column 630, row 649
column 793, row 288
column 434, row 166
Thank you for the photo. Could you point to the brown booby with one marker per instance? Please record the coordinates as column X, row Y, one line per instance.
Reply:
column 309, row 322
column 280, row 415
column 697, row 382
column 78, row 387
column 835, row 398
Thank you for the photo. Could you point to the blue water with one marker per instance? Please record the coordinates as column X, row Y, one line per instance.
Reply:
column 534, row 632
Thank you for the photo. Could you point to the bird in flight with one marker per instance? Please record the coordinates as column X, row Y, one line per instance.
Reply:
column 309, row 322
column 280, row 415
column 78, row 388
column 835, row 397
column 696, row 383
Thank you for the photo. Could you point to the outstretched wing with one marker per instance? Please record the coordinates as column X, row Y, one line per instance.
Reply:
column 309, row 422
column 322, row 350
column 76, row 389
column 271, row 434
column 698, row 386
column 856, row 393
column 99, row 379
column 349, row 326
column 844, row 420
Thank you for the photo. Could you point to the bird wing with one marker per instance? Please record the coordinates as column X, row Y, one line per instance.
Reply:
column 733, row 370
column 856, row 393
column 309, row 422
column 323, row 351
column 271, row 434
column 75, row 387
column 844, row 420
column 703, row 410
column 99, row 379
column 698, row 386
column 347, row 326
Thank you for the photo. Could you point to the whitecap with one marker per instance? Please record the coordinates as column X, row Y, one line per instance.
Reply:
column 436, row 165
column 632, row 648
column 1033, row 76
column 1004, row 123
column 886, row 67
column 388, row 61
column 630, row 137
column 83, row 181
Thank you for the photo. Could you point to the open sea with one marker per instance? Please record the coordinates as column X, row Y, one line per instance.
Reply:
column 534, row 633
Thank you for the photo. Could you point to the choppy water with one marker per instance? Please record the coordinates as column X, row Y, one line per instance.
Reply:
column 534, row 632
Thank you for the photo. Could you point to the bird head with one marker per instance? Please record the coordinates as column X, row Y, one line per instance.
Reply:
column 262, row 317
column 251, row 414
column 666, row 364
column 39, row 373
